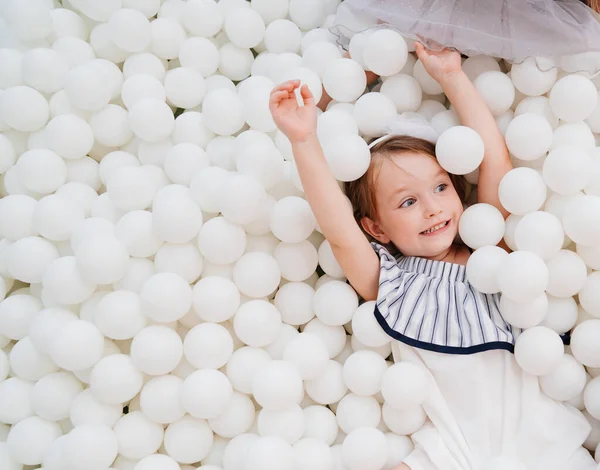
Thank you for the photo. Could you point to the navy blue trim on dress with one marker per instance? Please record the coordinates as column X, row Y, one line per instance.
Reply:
column 436, row 347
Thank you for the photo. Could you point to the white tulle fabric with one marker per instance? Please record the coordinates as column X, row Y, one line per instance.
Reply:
column 559, row 33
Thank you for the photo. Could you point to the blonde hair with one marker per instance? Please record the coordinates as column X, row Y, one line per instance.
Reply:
column 594, row 5
column 361, row 192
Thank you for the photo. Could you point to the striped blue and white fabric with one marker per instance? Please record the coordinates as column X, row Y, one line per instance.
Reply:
column 431, row 305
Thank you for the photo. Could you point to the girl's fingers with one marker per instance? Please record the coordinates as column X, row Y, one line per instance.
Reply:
column 289, row 86
column 307, row 96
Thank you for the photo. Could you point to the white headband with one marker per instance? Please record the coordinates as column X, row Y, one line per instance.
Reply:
column 410, row 124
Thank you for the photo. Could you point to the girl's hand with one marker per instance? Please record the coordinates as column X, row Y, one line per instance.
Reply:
column 298, row 123
column 440, row 65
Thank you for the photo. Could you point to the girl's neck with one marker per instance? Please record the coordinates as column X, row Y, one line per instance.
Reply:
column 456, row 253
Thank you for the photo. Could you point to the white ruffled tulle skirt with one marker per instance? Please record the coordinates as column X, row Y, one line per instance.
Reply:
column 558, row 33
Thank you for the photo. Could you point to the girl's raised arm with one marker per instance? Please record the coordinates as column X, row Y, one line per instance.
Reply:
column 329, row 205
column 445, row 67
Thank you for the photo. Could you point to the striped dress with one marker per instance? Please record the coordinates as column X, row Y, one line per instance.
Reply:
column 480, row 407
column 430, row 305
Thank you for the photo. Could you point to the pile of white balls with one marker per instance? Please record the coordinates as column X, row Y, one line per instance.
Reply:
column 168, row 299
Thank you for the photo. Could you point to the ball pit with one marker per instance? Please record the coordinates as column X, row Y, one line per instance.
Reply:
column 167, row 299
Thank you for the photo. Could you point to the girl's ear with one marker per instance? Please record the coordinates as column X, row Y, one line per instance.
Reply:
column 375, row 230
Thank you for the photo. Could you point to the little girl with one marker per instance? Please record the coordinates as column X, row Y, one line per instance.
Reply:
column 485, row 412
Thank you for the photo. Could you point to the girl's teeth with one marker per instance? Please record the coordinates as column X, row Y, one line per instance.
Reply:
column 437, row 227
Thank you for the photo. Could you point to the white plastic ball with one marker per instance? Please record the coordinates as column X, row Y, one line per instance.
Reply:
column 541, row 233
column 87, row 88
column 111, row 126
column 215, row 299
column 28, row 258
column 428, row 84
column 235, row 63
column 313, row 454
column 573, row 134
column 183, row 161
column 157, row 462
column 28, row 363
column 188, row 440
column 364, row 449
column 115, row 379
column 142, row 86
column 160, row 399
column 151, row 120
column 404, row 385
column 41, row 170
column 185, row 87
column 294, row 302
column 64, row 284
column 529, row 136
column 309, row 354
column 581, row 220
column 348, row 156
column 243, row 199
column 329, row 388
column 91, row 446
column 530, row 79
column 208, row 345
column 69, row 136
column 319, row 54
column 101, row 259
column 538, row 350
column 363, row 372
column 201, row 18
column 85, row 409
column 257, row 323
column 277, row 385
column 134, row 229
column 221, row 242
column 78, row 345
column 223, row 112
column 130, row 29
column 522, row 190
column 589, row 296
column 297, row 261
column 16, row 404
column 244, row 27
column 287, row 424
column 497, row 90
column 282, row 35
column 373, row 112
column 459, row 150
column 138, row 437
column 156, row 350
column 344, row 80
column 481, row 225
column 206, row 394
column 28, row 440
column 53, row 395
column 167, row 35
column 199, row 54
column 573, row 98
column 385, row 52
column 243, row 365
column 523, row 276
column 355, row 411
column 207, row 188
column 119, row 315
column 176, row 218
column 566, row 381
column 334, row 303
column 269, row 453
column 23, row 108
column 256, row 274
column 567, row 274
column 404, row 91
column 482, row 267
column 567, row 170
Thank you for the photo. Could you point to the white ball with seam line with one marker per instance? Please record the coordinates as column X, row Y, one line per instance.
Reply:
column 480, row 225
column 482, row 267
column 459, row 150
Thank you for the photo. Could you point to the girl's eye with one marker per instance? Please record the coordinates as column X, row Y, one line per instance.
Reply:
column 408, row 203
column 441, row 187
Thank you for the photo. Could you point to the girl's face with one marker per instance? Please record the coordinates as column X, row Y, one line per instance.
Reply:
column 418, row 208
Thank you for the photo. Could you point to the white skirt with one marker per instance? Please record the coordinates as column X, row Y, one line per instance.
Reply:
column 483, row 407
